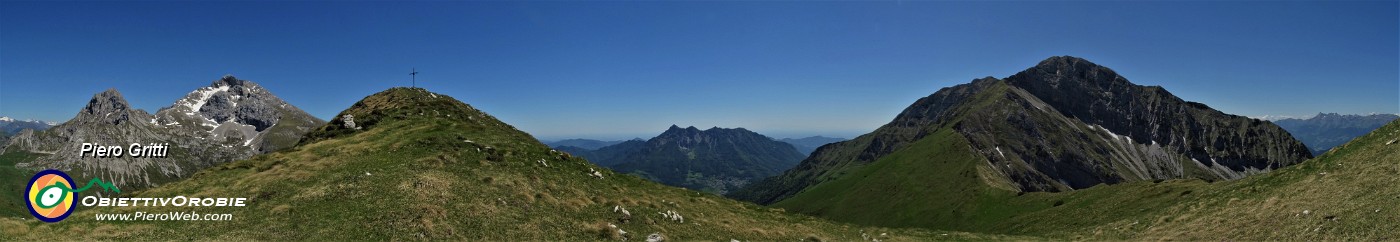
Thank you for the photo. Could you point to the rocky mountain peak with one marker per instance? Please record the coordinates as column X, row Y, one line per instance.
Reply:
column 1070, row 65
column 692, row 136
column 106, row 101
column 231, row 81
column 1077, row 73
column 229, row 99
column 108, row 107
column 677, row 130
column 1064, row 60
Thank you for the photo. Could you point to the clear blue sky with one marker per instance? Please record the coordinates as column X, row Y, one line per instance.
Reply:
column 614, row 70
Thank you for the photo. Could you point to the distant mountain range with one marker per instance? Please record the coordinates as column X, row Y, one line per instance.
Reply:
column 715, row 160
column 1062, row 125
column 1327, row 130
column 228, row 120
column 809, row 144
column 11, row 126
column 590, row 144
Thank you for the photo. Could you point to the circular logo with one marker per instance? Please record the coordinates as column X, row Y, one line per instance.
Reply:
column 50, row 195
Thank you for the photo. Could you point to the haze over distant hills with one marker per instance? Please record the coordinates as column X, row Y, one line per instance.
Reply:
column 1326, row 130
column 590, row 144
column 809, row 144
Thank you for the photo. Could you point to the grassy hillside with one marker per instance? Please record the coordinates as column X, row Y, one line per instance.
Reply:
column 424, row 166
column 13, row 181
column 945, row 195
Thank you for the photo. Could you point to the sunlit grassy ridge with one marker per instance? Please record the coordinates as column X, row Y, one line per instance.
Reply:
column 425, row 166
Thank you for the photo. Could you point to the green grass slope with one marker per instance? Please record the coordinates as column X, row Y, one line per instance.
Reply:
column 425, row 166
column 13, row 181
column 904, row 189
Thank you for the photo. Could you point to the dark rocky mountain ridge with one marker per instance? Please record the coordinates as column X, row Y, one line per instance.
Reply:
column 716, row 160
column 1063, row 124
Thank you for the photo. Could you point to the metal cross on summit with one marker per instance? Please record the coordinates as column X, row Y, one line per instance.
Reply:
column 414, row 76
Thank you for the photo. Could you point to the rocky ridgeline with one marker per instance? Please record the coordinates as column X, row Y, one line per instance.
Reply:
column 1063, row 124
column 229, row 120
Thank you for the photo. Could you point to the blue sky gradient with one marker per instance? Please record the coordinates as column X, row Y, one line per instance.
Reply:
column 613, row 70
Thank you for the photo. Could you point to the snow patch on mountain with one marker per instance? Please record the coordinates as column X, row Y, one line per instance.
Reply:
column 203, row 97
